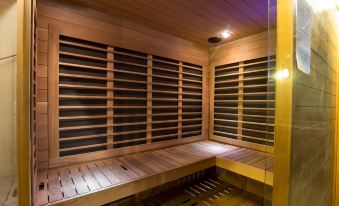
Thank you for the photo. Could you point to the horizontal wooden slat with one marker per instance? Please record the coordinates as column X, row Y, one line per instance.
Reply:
column 245, row 108
column 244, row 115
column 242, row 80
column 249, row 137
column 246, row 122
column 245, row 94
column 245, row 86
column 245, row 65
column 246, row 72
column 245, row 101
column 244, row 129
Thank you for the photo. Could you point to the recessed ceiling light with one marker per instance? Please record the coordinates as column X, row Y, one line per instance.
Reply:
column 226, row 34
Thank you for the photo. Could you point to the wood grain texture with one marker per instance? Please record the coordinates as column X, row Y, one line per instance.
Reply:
column 110, row 31
column 250, row 47
column 242, row 18
column 249, row 163
column 89, row 183
column 123, row 36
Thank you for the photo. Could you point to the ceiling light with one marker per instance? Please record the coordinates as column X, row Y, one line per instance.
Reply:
column 225, row 34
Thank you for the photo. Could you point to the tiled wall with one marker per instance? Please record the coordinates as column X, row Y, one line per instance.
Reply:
column 314, row 104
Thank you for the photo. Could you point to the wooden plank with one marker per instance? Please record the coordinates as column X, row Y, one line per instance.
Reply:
column 78, row 180
column 68, row 188
column 122, row 172
column 205, row 101
column 127, row 162
column 90, row 180
column 240, row 99
column 180, row 104
column 107, row 172
column 110, row 74
column 250, row 145
column 164, row 159
column 140, row 162
column 149, row 97
column 102, row 180
column 53, row 92
column 54, row 187
column 42, row 191
column 110, row 33
column 245, row 170
column 75, row 159
column 211, row 81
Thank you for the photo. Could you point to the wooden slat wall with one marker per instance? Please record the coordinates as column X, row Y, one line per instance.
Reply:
column 41, row 97
column 86, row 98
column 242, row 92
column 142, row 41
column 33, row 111
column 244, row 101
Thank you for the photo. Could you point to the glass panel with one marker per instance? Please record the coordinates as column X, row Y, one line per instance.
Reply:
column 314, row 103
column 7, row 101
column 271, row 66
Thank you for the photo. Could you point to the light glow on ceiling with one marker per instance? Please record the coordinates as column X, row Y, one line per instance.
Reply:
column 226, row 34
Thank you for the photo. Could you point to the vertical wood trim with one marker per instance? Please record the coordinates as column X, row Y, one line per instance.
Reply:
column 336, row 139
column 180, row 100
column 53, row 93
column 284, row 94
column 110, row 76
column 205, row 102
column 240, row 99
column 149, row 97
column 211, row 101
column 23, row 101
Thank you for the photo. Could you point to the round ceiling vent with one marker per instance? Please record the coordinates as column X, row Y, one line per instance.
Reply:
column 214, row 40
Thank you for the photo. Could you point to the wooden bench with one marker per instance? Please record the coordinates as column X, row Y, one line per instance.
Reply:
column 249, row 163
column 108, row 180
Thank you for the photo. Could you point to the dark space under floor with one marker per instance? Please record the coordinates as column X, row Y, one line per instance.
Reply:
column 193, row 191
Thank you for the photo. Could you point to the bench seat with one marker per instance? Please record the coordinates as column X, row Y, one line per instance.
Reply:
column 249, row 163
column 104, row 181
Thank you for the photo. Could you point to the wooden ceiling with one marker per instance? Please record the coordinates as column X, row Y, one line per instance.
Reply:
column 194, row 20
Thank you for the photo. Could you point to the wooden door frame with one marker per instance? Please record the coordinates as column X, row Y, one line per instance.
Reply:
column 284, row 93
column 23, row 101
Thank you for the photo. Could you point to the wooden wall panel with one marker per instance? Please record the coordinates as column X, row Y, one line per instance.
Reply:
column 110, row 33
column 239, row 62
column 35, row 123
column 251, row 47
column 41, row 100
column 133, row 39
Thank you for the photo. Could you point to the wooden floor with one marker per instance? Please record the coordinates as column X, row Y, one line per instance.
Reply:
column 105, row 181
column 250, row 163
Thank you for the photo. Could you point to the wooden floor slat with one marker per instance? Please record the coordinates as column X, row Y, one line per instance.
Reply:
column 68, row 185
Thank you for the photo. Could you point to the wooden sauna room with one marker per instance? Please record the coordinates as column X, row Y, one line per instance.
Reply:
column 176, row 103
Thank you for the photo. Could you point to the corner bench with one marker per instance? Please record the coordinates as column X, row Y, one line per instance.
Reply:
column 108, row 180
